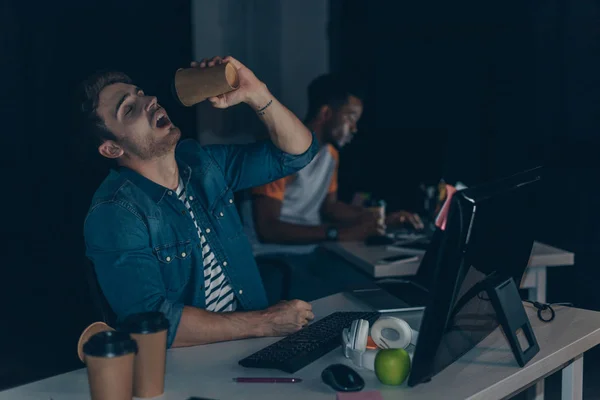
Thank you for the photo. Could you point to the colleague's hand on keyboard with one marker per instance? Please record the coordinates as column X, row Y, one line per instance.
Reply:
column 368, row 225
column 404, row 217
column 287, row 317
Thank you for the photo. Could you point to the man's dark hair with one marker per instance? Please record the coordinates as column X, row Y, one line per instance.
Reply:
column 331, row 90
column 88, row 94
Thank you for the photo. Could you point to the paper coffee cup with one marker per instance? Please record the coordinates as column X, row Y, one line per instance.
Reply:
column 193, row 85
column 87, row 333
column 379, row 210
column 109, row 357
column 149, row 330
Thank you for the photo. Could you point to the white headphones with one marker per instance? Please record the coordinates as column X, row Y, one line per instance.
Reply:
column 386, row 332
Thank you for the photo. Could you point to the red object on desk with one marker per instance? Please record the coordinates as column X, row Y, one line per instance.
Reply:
column 371, row 344
column 440, row 221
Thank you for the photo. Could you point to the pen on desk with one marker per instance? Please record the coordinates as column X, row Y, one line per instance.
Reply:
column 267, row 380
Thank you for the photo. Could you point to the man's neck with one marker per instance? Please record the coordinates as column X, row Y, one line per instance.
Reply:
column 317, row 128
column 162, row 171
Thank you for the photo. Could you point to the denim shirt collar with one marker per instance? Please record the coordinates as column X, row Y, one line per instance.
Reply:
column 152, row 189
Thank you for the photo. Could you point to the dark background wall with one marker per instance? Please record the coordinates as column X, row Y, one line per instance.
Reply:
column 498, row 86
column 450, row 91
column 472, row 91
column 46, row 49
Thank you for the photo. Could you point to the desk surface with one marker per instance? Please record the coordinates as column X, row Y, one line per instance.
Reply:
column 367, row 258
column 489, row 371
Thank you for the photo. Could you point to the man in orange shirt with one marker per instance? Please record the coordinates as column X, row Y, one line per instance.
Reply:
column 303, row 209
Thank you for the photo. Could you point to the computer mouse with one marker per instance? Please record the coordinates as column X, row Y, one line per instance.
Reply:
column 379, row 240
column 342, row 378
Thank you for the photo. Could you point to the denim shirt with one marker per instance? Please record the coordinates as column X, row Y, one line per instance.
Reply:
column 143, row 242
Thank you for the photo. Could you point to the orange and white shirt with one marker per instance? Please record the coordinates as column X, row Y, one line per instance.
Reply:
column 302, row 194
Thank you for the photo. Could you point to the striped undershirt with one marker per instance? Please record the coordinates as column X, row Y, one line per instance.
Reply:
column 218, row 291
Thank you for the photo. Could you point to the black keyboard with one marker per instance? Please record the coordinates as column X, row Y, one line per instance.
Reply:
column 308, row 344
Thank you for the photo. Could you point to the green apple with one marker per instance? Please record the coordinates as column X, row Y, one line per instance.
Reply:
column 392, row 366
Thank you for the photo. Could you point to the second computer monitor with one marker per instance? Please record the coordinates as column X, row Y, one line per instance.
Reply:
column 489, row 232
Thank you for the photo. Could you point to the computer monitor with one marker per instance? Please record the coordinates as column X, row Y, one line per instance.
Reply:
column 489, row 232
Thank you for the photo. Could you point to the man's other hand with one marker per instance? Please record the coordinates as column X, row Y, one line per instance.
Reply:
column 287, row 317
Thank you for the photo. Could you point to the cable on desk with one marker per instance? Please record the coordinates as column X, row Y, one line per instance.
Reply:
column 542, row 307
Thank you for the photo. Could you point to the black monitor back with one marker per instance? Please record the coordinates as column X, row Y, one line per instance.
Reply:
column 489, row 234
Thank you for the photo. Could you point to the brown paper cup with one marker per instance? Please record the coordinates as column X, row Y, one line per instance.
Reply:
column 193, row 85
column 380, row 212
column 149, row 366
column 87, row 333
column 109, row 357
column 111, row 378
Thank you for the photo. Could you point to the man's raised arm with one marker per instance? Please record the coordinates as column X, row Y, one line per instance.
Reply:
column 291, row 148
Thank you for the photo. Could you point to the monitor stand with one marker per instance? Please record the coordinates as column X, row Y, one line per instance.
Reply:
column 507, row 303
column 512, row 317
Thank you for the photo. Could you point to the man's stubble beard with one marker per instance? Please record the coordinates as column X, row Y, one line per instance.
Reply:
column 153, row 150
column 335, row 137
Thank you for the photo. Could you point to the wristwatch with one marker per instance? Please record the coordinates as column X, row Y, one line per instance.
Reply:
column 332, row 234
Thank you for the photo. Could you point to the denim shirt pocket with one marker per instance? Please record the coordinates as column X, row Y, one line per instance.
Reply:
column 225, row 213
column 175, row 264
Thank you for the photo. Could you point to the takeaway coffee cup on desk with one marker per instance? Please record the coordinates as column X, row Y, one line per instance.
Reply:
column 109, row 357
column 378, row 208
column 149, row 330
column 87, row 333
column 193, row 85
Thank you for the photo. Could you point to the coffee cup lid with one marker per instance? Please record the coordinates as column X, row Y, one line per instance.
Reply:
column 88, row 332
column 110, row 344
column 146, row 322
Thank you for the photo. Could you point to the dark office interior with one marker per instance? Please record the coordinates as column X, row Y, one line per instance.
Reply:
column 462, row 91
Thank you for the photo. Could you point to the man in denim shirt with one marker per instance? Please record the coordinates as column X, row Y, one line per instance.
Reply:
column 163, row 232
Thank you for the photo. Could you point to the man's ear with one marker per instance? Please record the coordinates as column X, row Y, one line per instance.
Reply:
column 325, row 112
column 110, row 149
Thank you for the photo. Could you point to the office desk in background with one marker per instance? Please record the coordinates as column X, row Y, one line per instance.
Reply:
column 367, row 257
column 489, row 371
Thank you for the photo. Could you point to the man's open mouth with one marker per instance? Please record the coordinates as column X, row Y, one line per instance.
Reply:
column 161, row 119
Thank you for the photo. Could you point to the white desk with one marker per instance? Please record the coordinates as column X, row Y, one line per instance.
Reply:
column 487, row 372
column 367, row 257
